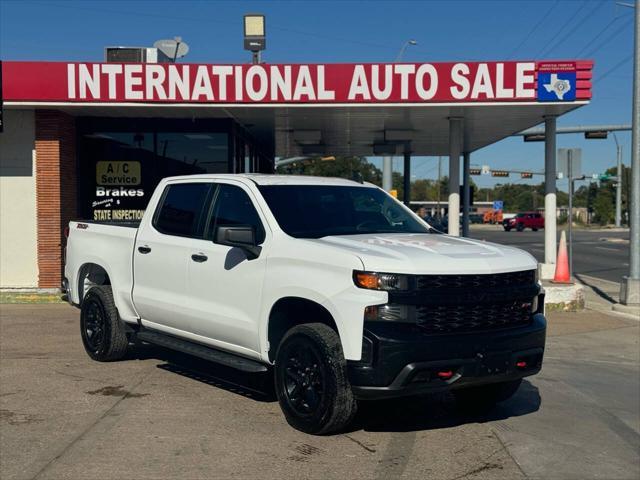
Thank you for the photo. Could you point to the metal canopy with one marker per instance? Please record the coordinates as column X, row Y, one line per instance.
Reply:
column 349, row 130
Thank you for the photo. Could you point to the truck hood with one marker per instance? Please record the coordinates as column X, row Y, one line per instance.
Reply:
column 431, row 254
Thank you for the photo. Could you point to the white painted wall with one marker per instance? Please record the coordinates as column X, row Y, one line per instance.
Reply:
column 18, row 234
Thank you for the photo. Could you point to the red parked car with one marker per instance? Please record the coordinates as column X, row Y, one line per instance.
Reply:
column 532, row 220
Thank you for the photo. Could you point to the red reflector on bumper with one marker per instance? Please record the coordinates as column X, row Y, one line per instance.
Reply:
column 521, row 364
column 445, row 375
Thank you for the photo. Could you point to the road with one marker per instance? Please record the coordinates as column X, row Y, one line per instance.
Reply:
column 598, row 253
column 159, row 415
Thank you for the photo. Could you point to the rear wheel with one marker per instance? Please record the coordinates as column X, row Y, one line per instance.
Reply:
column 311, row 380
column 486, row 396
column 103, row 333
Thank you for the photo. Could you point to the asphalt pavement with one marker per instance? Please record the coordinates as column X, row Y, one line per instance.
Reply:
column 162, row 415
column 596, row 253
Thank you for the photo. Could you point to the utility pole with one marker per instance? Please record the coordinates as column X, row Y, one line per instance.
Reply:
column 439, row 177
column 630, row 285
column 619, row 183
column 387, row 173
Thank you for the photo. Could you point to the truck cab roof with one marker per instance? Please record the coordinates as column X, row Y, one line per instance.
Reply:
column 265, row 179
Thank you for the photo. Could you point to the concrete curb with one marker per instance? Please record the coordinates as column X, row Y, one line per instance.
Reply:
column 564, row 298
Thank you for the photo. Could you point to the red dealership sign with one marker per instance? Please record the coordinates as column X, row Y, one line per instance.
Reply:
column 461, row 82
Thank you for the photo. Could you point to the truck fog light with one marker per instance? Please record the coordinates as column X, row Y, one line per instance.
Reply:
column 371, row 313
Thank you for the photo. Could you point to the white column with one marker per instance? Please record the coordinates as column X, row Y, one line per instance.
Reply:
column 550, row 220
column 455, row 148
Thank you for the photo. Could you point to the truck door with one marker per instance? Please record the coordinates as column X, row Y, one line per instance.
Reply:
column 225, row 287
column 162, row 254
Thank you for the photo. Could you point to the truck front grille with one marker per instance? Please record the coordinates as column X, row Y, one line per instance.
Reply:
column 486, row 282
column 466, row 318
column 466, row 303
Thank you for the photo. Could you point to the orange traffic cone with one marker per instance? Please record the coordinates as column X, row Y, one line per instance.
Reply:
column 562, row 262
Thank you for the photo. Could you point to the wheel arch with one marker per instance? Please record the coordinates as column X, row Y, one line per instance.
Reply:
column 288, row 312
column 90, row 274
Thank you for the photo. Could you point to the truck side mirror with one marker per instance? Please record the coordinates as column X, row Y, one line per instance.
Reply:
column 243, row 237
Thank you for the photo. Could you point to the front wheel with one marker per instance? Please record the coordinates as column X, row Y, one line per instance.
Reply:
column 311, row 380
column 486, row 396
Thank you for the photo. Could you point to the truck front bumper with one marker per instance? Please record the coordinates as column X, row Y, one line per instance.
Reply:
column 399, row 360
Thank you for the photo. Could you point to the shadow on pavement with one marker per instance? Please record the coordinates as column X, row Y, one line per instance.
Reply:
column 595, row 289
column 431, row 412
column 426, row 412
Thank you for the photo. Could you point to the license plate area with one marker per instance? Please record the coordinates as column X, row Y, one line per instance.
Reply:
column 494, row 363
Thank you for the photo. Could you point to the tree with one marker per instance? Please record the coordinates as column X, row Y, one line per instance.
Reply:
column 603, row 207
column 343, row 167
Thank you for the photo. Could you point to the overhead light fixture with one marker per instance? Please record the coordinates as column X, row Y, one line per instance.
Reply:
column 306, row 137
column 255, row 35
column 398, row 135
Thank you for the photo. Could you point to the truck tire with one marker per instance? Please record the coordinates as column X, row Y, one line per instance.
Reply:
column 507, row 229
column 534, row 229
column 486, row 396
column 103, row 333
column 311, row 380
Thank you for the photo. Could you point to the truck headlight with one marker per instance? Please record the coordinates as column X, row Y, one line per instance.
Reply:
column 380, row 281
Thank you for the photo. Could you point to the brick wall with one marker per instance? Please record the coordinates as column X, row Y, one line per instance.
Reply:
column 55, row 190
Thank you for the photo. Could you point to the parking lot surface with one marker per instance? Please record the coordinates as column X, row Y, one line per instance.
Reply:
column 597, row 253
column 163, row 415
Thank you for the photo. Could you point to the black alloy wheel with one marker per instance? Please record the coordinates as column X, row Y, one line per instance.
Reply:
column 304, row 382
column 94, row 325
column 311, row 380
column 103, row 333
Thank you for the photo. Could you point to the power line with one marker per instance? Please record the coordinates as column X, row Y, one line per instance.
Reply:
column 611, row 37
column 565, row 25
column 129, row 13
column 532, row 31
column 586, row 17
column 613, row 69
column 600, row 33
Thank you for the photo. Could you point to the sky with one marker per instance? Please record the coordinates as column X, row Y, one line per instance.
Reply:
column 364, row 31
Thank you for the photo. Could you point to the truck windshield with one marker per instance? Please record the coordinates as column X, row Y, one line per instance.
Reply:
column 314, row 211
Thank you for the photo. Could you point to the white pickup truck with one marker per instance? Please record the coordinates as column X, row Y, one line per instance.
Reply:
column 334, row 285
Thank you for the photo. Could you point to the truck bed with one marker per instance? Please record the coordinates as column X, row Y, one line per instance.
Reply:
column 109, row 245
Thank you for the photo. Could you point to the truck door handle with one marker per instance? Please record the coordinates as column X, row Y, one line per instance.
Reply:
column 199, row 257
column 144, row 249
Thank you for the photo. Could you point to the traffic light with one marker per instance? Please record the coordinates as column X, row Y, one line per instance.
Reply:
column 536, row 137
column 596, row 135
column 526, row 175
column 475, row 171
column 499, row 173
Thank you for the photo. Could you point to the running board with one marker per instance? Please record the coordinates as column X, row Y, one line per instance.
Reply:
column 200, row 351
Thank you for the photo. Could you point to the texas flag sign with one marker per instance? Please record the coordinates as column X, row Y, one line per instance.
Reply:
column 556, row 82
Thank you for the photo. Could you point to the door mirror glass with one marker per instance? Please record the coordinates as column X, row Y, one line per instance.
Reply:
column 243, row 237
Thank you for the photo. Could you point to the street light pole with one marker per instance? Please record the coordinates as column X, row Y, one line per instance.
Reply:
column 630, row 285
column 619, row 183
column 387, row 162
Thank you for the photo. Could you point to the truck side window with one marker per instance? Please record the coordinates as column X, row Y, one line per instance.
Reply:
column 181, row 209
column 233, row 207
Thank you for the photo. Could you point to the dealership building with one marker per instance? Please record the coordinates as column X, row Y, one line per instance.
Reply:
column 92, row 140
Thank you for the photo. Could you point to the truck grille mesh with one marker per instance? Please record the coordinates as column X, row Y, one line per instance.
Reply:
column 496, row 280
column 473, row 318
